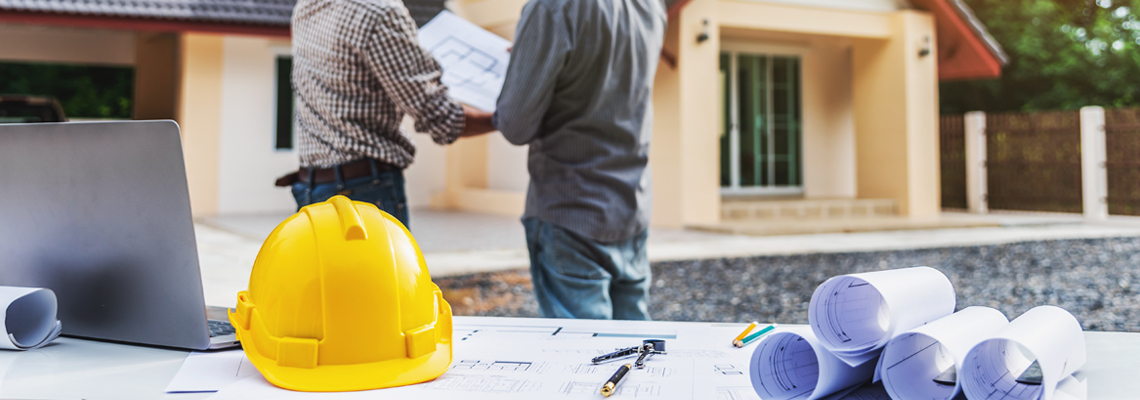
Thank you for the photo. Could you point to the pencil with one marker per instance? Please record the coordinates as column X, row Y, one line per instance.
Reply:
column 736, row 342
column 751, row 338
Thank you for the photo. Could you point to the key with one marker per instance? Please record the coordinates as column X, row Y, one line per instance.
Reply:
column 648, row 348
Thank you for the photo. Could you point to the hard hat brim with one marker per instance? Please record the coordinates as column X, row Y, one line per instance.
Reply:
column 354, row 377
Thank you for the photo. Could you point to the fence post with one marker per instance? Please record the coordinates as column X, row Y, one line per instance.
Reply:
column 975, row 124
column 1094, row 174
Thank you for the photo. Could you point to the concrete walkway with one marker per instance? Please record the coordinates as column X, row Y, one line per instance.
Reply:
column 463, row 243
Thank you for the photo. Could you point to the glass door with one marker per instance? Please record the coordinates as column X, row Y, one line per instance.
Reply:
column 760, row 141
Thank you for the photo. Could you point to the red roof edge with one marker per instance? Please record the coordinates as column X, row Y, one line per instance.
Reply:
column 962, row 51
column 140, row 24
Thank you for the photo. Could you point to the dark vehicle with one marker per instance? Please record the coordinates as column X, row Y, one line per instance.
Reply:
column 26, row 109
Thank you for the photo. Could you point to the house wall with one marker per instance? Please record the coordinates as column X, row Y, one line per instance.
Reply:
column 896, row 98
column 248, row 161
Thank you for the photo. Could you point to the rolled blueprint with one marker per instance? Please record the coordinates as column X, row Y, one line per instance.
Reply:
column 792, row 364
column 922, row 363
column 1048, row 335
column 855, row 315
column 29, row 318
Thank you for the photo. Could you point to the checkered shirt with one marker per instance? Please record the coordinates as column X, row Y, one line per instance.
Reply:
column 357, row 70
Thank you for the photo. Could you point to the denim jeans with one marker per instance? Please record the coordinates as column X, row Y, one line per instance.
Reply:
column 384, row 189
column 578, row 277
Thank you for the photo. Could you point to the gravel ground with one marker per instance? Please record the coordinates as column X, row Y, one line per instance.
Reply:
column 1090, row 278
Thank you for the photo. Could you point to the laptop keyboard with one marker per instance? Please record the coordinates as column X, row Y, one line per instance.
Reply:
column 220, row 328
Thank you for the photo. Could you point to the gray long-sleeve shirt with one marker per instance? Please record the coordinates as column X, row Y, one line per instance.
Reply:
column 579, row 91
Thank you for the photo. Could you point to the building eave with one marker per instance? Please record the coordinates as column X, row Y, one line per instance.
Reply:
column 141, row 24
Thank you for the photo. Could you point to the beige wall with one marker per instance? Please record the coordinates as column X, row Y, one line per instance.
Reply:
column 53, row 44
column 896, row 108
column 199, row 116
column 248, row 161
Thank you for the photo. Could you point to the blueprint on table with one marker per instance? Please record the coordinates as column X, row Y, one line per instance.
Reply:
column 502, row 358
column 474, row 60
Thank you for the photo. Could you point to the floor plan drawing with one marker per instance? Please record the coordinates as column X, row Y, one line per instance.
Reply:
column 468, row 67
column 474, row 61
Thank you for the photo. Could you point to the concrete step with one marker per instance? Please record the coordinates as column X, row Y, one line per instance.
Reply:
column 814, row 209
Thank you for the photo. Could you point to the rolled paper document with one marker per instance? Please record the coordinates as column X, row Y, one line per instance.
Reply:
column 791, row 364
column 923, row 363
column 1047, row 338
column 29, row 319
column 855, row 315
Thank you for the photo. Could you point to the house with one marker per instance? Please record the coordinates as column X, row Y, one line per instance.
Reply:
column 768, row 110
column 764, row 108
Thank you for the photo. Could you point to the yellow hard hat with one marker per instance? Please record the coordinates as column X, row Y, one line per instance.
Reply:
column 340, row 299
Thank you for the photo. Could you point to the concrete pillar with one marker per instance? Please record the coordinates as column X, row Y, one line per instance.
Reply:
column 200, row 116
column 896, row 116
column 1094, row 173
column 685, row 152
column 976, row 193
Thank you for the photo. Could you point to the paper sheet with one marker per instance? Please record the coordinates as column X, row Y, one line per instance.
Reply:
column 855, row 315
column 1046, row 334
column 502, row 358
column 29, row 319
column 911, row 361
column 792, row 364
column 474, row 61
column 211, row 371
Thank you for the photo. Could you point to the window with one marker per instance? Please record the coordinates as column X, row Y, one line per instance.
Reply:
column 760, row 143
column 283, row 130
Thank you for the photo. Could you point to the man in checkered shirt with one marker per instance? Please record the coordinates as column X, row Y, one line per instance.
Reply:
column 357, row 70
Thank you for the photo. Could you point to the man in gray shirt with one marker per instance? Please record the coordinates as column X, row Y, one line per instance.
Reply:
column 579, row 91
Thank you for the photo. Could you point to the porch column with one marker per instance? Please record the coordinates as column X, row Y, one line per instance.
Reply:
column 685, row 152
column 199, row 115
column 896, row 115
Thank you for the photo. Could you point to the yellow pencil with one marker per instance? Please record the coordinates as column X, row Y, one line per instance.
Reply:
column 736, row 342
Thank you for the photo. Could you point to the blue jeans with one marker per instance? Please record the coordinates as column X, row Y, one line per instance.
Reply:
column 578, row 277
column 384, row 189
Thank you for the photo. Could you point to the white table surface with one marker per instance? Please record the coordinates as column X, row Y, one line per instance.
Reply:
column 73, row 368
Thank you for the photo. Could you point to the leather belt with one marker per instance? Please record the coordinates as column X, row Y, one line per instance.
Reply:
column 349, row 170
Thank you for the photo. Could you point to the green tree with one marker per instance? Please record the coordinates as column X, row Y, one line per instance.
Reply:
column 1065, row 54
column 83, row 91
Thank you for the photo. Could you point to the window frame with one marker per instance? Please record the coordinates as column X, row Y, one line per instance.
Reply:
column 734, row 49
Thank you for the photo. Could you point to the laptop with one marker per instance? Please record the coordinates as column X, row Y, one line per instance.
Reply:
column 99, row 212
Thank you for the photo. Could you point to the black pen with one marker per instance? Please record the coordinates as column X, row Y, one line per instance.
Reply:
column 611, row 385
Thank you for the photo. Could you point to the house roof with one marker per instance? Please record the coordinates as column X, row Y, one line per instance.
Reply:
column 266, row 16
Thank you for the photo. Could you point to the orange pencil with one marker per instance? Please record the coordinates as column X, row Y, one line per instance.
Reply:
column 737, row 342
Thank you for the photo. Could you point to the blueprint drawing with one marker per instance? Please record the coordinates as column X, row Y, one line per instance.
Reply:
column 474, row 61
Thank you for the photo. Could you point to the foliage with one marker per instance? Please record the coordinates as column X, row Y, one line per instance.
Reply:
column 84, row 91
column 1065, row 54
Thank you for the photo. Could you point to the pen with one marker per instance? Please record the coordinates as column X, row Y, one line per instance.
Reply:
column 751, row 338
column 736, row 342
column 611, row 385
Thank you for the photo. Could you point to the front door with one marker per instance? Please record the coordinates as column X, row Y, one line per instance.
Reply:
column 760, row 140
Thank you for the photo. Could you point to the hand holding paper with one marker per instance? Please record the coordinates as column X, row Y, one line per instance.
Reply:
column 29, row 319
